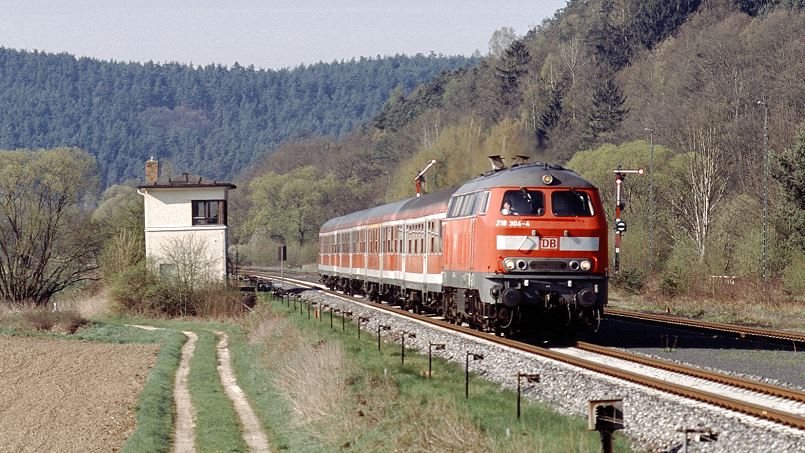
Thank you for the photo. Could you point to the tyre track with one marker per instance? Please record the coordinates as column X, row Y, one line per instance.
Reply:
column 253, row 433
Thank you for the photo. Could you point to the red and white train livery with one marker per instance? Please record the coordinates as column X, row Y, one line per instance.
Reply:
column 517, row 248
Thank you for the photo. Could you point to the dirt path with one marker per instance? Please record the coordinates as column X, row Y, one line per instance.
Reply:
column 185, row 413
column 253, row 433
column 69, row 395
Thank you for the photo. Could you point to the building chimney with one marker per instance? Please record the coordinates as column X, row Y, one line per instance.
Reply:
column 151, row 171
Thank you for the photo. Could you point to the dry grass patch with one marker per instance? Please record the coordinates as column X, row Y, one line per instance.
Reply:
column 438, row 428
column 310, row 372
column 44, row 320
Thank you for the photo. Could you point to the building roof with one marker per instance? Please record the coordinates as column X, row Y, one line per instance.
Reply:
column 186, row 180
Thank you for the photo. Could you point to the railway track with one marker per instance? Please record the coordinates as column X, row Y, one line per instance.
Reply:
column 763, row 401
column 797, row 339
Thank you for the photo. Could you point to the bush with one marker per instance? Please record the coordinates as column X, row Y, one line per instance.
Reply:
column 139, row 291
column 44, row 320
column 40, row 319
column 628, row 279
column 671, row 283
column 794, row 277
column 132, row 289
column 218, row 301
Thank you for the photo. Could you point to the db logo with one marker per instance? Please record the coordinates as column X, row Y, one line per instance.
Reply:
column 549, row 243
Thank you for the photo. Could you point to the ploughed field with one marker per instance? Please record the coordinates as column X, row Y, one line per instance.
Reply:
column 69, row 395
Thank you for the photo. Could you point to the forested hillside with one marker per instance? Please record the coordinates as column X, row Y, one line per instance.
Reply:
column 210, row 120
column 591, row 88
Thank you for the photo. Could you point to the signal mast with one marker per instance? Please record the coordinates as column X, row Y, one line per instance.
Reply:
column 420, row 178
column 620, row 225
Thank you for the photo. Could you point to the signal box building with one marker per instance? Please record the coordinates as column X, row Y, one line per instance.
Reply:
column 185, row 221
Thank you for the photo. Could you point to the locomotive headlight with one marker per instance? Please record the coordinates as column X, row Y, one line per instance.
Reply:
column 522, row 265
column 573, row 265
column 547, row 179
column 585, row 265
column 509, row 264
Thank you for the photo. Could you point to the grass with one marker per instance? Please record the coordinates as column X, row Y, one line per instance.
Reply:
column 326, row 390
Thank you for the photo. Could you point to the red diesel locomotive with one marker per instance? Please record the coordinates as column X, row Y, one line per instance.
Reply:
column 517, row 248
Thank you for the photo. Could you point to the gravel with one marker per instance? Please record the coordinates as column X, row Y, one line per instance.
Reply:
column 653, row 419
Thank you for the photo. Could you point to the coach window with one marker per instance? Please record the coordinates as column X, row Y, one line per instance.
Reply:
column 484, row 205
column 469, row 206
column 456, row 206
column 209, row 212
column 422, row 238
column 571, row 203
column 400, row 234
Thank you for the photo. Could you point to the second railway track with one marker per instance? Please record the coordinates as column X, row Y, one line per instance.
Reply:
column 792, row 338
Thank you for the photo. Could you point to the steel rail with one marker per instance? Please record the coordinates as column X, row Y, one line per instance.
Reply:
column 724, row 402
column 715, row 326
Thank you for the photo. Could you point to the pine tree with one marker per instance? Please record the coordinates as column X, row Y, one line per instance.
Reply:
column 512, row 68
column 607, row 110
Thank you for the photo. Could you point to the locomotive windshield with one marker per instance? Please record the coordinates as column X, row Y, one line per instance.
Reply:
column 523, row 202
column 571, row 203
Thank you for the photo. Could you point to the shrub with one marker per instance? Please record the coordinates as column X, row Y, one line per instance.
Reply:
column 131, row 289
column 138, row 290
column 44, row 320
column 40, row 319
column 70, row 321
column 794, row 276
column 629, row 279
column 671, row 282
column 218, row 301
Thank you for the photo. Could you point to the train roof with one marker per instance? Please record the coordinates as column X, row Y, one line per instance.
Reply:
column 526, row 175
column 523, row 175
column 433, row 203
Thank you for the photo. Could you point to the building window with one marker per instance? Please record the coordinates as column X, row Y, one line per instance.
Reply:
column 209, row 212
column 167, row 270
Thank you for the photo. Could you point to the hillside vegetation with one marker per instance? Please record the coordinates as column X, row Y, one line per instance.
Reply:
column 591, row 87
column 211, row 120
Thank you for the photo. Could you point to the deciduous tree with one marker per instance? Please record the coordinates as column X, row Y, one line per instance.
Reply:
column 701, row 189
column 47, row 240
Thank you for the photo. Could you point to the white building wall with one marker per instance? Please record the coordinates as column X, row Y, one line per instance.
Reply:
column 169, row 218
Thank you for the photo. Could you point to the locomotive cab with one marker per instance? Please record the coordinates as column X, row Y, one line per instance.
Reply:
column 551, row 260
column 538, row 252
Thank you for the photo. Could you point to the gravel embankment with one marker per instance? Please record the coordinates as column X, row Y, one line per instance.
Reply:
column 653, row 419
